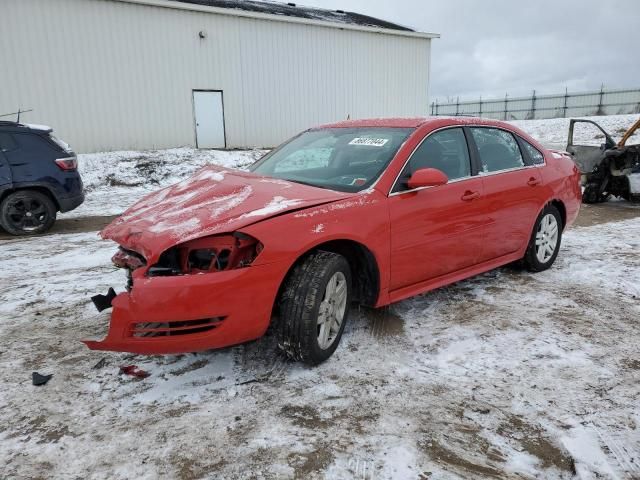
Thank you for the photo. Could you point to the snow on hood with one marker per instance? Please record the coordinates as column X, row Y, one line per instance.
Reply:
column 213, row 201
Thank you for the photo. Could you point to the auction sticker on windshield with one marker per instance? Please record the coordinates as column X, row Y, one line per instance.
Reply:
column 369, row 142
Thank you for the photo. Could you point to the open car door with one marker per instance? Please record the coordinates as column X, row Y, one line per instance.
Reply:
column 587, row 144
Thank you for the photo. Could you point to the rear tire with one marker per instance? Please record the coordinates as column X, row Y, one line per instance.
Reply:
column 592, row 194
column 314, row 306
column 27, row 212
column 545, row 240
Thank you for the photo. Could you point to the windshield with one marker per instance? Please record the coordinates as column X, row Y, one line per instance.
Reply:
column 343, row 159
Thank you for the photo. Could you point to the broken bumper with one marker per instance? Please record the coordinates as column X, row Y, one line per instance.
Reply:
column 189, row 313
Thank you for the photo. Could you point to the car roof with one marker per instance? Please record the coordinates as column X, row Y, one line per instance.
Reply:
column 397, row 122
column 7, row 125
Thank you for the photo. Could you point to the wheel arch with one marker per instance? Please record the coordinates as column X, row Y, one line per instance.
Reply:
column 365, row 271
column 37, row 188
column 559, row 204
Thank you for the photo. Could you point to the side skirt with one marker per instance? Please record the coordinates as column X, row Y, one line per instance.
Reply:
column 432, row 284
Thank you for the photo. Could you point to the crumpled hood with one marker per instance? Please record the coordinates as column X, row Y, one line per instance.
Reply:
column 213, row 201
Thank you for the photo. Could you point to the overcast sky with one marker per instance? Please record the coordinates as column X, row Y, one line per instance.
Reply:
column 491, row 47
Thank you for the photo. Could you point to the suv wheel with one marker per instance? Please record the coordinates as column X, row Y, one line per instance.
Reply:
column 314, row 306
column 27, row 212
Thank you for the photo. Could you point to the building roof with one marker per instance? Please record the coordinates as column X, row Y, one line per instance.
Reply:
column 289, row 12
column 299, row 11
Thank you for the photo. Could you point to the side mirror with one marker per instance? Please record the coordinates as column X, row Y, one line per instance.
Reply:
column 427, row 177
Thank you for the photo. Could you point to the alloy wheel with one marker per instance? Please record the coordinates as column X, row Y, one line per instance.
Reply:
column 546, row 238
column 332, row 310
column 27, row 214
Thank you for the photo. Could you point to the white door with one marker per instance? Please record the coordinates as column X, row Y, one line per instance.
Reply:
column 209, row 116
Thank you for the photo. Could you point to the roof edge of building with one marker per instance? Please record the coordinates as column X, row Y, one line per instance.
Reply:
column 277, row 18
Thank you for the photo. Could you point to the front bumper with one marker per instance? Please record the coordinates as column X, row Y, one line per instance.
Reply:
column 189, row 313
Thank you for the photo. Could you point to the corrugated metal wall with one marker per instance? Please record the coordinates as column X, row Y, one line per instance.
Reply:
column 109, row 75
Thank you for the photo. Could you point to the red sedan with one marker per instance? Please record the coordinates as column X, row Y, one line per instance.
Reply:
column 367, row 211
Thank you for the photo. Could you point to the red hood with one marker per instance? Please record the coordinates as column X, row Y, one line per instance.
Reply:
column 215, row 200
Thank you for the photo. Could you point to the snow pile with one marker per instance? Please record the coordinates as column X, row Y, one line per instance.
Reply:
column 115, row 180
column 554, row 132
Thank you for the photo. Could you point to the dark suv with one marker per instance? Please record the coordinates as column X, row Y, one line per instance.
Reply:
column 38, row 178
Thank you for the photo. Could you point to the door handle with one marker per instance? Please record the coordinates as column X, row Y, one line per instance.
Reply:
column 533, row 182
column 469, row 195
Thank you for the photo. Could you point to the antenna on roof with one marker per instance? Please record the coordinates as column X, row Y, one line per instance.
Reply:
column 16, row 113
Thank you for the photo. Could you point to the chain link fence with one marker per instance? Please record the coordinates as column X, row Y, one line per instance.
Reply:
column 599, row 102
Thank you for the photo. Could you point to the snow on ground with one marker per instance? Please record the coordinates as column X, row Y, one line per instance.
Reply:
column 506, row 374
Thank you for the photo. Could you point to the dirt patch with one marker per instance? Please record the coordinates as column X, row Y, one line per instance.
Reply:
column 606, row 212
column 190, row 469
column 193, row 366
column 533, row 441
column 385, row 323
column 451, row 460
column 305, row 464
column 45, row 433
column 630, row 364
column 71, row 225
column 304, row 416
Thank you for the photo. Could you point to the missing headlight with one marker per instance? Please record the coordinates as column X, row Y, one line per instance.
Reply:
column 209, row 254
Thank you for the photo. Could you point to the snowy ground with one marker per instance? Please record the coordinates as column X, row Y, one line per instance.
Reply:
column 509, row 374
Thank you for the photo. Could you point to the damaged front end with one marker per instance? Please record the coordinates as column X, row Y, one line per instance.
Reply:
column 198, row 295
column 608, row 169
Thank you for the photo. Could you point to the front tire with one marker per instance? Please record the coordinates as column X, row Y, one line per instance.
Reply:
column 314, row 306
column 544, row 244
column 27, row 212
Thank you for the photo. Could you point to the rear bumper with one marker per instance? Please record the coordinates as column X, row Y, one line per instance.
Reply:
column 189, row 313
column 69, row 203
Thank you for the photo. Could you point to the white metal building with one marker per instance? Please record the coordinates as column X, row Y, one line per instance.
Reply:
column 141, row 74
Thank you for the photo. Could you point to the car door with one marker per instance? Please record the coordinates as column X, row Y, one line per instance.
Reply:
column 513, row 193
column 587, row 143
column 436, row 230
column 7, row 144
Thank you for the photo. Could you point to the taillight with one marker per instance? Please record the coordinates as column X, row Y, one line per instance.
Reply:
column 69, row 163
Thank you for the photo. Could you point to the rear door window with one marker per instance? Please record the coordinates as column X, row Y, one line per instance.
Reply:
column 498, row 149
column 534, row 154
